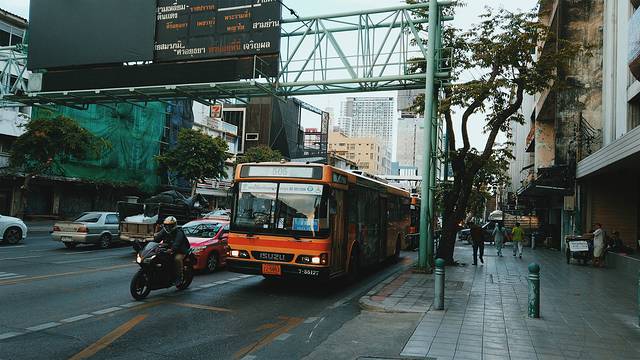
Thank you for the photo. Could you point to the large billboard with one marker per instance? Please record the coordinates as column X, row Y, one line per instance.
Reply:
column 66, row 33
column 92, row 44
column 208, row 29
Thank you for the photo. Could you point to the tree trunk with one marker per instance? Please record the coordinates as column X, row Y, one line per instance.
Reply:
column 455, row 212
column 24, row 193
column 194, row 187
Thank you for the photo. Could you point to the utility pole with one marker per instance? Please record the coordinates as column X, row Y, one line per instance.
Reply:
column 425, row 258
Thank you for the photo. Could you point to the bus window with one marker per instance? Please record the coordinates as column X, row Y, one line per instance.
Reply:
column 282, row 208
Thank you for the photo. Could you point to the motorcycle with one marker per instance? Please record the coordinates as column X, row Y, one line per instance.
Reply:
column 157, row 270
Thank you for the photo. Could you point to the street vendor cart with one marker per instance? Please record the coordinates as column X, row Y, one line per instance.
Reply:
column 579, row 247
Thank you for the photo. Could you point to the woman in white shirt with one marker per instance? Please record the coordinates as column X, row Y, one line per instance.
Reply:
column 598, row 245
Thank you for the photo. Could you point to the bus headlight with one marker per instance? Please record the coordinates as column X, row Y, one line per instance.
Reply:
column 323, row 259
column 239, row 254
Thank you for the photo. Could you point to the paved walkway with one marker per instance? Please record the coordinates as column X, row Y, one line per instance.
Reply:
column 586, row 313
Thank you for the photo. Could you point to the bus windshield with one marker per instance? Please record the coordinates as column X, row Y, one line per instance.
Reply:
column 282, row 208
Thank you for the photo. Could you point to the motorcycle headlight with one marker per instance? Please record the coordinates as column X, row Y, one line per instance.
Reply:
column 138, row 259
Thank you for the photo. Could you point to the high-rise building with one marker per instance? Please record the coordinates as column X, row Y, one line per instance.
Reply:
column 410, row 144
column 368, row 117
column 406, row 99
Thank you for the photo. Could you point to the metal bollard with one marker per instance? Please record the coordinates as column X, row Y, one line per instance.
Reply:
column 438, row 302
column 534, row 290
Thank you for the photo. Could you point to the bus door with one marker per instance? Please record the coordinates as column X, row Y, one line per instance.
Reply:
column 339, row 238
column 382, row 233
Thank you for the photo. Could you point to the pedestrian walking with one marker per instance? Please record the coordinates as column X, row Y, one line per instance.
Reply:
column 598, row 245
column 517, row 236
column 477, row 241
column 499, row 235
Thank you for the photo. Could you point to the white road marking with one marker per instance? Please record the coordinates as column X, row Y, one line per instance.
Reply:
column 246, row 276
column 107, row 310
column 132, row 304
column 43, row 326
column 76, row 318
column 283, row 337
column 310, row 320
column 22, row 257
column 9, row 335
column 194, row 289
column 206, row 286
column 85, row 260
column 221, row 282
column 10, row 276
column 249, row 357
column 314, row 329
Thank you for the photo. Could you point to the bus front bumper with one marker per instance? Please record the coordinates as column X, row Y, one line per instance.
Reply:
column 288, row 271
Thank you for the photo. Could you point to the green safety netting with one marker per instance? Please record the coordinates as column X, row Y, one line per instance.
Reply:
column 134, row 133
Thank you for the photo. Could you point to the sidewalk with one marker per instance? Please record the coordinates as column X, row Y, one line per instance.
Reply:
column 586, row 313
column 39, row 226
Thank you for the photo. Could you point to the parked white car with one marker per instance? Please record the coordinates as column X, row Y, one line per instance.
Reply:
column 12, row 230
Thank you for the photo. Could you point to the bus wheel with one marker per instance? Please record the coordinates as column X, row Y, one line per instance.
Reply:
column 354, row 266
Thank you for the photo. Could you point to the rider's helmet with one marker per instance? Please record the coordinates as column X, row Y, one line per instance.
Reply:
column 170, row 223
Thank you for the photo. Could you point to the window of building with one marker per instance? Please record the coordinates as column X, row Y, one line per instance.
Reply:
column 633, row 120
column 371, row 156
column 5, row 38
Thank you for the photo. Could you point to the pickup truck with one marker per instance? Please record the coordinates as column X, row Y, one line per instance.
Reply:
column 140, row 221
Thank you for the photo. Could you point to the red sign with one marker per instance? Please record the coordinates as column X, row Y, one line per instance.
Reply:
column 216, row 111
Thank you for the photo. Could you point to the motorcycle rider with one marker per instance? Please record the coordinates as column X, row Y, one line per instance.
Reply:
column 174, row 237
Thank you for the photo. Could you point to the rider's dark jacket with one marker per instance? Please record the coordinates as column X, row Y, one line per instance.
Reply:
column 174, row 238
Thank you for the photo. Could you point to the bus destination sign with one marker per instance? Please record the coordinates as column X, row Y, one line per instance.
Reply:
column 209, row 29
column 298, row 172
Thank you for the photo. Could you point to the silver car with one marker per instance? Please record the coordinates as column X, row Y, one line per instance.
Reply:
column 99, row 228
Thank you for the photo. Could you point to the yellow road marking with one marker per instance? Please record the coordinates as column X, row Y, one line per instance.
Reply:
column 286, row 324
column 109, row 338
column 43, row 277
column 198, row 306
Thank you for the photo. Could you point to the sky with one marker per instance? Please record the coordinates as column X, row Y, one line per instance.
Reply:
column 465, row 17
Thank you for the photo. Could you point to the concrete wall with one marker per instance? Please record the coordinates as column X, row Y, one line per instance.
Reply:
column 613, row 200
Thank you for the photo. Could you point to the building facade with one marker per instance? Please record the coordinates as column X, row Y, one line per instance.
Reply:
column 563, row 124
column 608, row 177
column 368, row 117
column 367, row 152
column 410, row 143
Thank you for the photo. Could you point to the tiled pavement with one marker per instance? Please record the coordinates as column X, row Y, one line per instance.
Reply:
column 586, row 313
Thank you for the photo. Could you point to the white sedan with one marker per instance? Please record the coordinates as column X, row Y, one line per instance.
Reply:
column 12, row 230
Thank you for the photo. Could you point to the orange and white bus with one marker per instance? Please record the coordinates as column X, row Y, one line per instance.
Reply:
column 313, row 221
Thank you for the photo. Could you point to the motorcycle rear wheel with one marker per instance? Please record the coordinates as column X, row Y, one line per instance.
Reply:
column 139, row 287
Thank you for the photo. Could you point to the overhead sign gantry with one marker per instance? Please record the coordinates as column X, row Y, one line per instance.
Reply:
column 359, row 51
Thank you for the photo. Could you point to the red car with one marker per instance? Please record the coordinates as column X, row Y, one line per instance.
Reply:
column 208, row 239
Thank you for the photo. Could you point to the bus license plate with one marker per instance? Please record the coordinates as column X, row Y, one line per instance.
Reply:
column 271, row 269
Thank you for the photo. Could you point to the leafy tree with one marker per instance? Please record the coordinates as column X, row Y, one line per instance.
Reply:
column 48, row 143
column 196, row 157
column 502, row 53
column 260, row 153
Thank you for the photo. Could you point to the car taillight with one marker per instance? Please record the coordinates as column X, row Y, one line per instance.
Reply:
column 82, row 229
column 56, row 228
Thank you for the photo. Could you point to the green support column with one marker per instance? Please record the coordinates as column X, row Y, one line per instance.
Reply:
column 425, row 258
